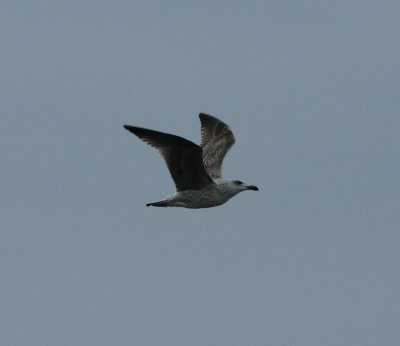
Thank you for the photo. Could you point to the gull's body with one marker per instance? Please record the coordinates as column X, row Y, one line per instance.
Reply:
column 196, row 170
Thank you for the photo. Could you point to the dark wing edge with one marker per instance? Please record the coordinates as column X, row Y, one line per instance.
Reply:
column 216, row 140
column 183, row 157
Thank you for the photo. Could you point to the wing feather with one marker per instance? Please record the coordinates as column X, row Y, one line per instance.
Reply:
column 183, row 157
column 216, row 140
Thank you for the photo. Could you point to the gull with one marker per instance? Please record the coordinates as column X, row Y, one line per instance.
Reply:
column 196, row 170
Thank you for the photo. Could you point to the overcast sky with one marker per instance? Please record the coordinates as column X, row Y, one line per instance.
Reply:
column 311, row 90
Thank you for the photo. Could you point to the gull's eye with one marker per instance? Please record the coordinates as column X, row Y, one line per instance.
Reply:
column 238, row 182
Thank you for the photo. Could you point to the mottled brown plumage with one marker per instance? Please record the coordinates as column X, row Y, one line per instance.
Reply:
column 196, row 170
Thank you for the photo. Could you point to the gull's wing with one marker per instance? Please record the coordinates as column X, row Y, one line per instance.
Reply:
column 216, row 139
column 183, row 158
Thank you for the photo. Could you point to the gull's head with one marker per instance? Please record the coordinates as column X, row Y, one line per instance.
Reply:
column 239, row 186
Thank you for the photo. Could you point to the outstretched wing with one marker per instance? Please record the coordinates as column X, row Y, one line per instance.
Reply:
column 183, row 157
column 216, row 139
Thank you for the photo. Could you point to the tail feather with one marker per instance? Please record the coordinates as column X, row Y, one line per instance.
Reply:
column 158, row 204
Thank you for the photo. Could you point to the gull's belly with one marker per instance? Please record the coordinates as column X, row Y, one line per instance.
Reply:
column 201, row 198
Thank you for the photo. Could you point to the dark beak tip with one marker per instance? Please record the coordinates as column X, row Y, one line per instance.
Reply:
column 254, row 188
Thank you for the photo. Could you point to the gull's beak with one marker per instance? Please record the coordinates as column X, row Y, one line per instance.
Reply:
column 252, row 187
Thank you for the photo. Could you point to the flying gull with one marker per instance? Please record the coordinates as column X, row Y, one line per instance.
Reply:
column 196, row 170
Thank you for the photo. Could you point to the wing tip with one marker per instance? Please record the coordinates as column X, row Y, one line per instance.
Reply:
column 208, row 118
column 132, row 129
column 205, row 115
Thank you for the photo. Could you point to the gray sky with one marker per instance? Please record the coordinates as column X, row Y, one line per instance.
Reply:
column 311, row 91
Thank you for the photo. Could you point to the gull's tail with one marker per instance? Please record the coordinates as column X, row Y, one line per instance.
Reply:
column 163, row 203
